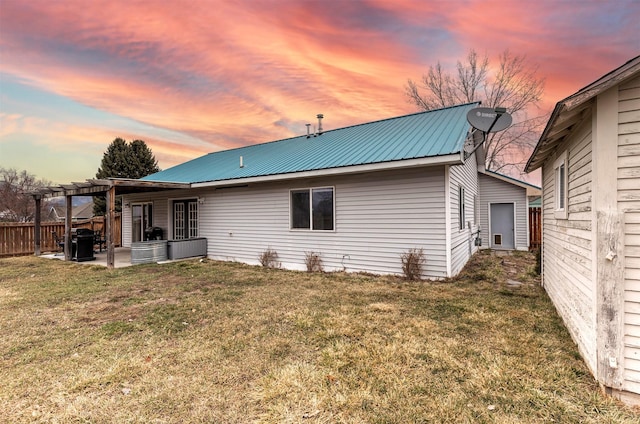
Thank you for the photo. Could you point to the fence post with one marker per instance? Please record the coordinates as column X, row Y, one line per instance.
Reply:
column 36, row 237
column 67, row 229
column 110, row 219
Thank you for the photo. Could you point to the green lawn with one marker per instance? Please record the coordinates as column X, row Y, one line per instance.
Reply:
column 204, row 341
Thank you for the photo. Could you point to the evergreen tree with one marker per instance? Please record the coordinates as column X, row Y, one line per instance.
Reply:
column 124, row 160
column 142, row 161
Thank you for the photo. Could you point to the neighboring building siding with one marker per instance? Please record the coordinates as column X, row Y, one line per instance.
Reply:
column 629, row 145
column 378, row 216
column 629, row 202
column 632, row 303
column 462, row 241
column 493, row 190
column 567, row 243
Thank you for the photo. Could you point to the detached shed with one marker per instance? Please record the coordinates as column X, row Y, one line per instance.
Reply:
column 589, row 153
column 504, row 205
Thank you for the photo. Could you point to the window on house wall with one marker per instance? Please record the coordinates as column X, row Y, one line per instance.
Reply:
column 561, row 185
column 312, row 209
column 185, row 219
column 141, row 219
column 461, row 207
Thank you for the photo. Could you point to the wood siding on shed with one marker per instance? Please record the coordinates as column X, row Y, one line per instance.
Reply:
column 493, row 190
column 567, row 253
column 629, row 202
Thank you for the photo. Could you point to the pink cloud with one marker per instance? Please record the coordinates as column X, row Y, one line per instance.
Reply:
column 232, row 73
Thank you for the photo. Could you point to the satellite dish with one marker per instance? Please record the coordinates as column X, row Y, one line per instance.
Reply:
column 488, row 119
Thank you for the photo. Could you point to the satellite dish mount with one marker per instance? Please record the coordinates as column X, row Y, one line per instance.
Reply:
column 488, row 120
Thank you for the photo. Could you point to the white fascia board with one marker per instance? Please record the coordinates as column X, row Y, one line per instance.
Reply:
column 513, row 181
column 452, row 159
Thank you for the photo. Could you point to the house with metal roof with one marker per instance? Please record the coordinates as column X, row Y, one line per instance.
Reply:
column 589, row 153
column 358, row 197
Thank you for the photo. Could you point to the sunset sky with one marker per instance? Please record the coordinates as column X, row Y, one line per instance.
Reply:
column 192, row 77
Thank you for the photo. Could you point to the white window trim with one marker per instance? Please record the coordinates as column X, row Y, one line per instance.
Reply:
column 171, row 219
column 311, row 210
column 561, row 212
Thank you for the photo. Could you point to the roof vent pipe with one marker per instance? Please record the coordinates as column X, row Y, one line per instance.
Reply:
column 320, row 116
column 241, row 162
column 308, row 133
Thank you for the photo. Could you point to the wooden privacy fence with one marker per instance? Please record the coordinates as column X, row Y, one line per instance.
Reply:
column 18, row 238
column 535, row 228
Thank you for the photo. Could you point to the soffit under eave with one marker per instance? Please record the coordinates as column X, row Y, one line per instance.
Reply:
column 560, row 126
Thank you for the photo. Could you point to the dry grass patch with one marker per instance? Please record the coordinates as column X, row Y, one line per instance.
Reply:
column 223, row 342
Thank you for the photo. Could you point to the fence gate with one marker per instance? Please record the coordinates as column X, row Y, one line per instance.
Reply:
column 535, row 228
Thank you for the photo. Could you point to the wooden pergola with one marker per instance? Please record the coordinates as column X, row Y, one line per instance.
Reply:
column 110, row 188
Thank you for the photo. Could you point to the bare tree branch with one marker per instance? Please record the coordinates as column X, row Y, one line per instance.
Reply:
column 513, row 84
column 16, row 205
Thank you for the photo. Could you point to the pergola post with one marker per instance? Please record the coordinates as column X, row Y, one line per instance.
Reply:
column 109, row 226
column 67, row 228
column 36, row 228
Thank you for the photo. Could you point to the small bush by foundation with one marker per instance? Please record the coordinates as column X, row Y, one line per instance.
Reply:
column 412, row 264
column 313, row 261
column 269, row 259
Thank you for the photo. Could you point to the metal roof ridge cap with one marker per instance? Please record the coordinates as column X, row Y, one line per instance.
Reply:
column 448, row 159
column 346, row 127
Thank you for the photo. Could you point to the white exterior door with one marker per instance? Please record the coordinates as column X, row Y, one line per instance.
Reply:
column 502, row 226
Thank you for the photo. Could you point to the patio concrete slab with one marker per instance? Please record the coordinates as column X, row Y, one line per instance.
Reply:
column 122, row 258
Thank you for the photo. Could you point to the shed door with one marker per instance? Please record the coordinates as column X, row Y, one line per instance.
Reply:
column 502, row 226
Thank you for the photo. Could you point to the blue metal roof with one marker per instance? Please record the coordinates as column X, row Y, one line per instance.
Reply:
column 420, row 135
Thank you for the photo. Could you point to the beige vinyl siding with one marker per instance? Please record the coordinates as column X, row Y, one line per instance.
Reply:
column 567, row 243
column 126, row 224
column 378, row 216
column 462, row 241
column 494, row 190
column 629, row 202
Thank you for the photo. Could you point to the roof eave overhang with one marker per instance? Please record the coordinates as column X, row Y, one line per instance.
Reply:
column 523, row 184
column 536, row 159
column 451, row 159
column 572, row 110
